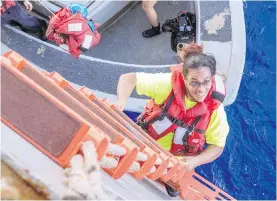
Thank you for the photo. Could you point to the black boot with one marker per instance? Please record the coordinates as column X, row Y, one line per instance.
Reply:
column 151, row 32
column 38, row 31
column 170, row 191
column 42, row 31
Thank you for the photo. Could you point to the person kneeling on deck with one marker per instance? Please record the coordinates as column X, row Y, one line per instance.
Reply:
column 14, row 13
column 185, row 110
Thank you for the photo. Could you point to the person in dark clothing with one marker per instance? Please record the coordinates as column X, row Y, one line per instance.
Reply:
column 16, row 14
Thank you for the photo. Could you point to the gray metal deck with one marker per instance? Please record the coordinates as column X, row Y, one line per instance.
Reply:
column 123, row 42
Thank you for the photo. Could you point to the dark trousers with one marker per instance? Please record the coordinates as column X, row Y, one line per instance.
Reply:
column 21, row 16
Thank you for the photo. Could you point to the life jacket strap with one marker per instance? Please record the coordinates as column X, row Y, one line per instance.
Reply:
column 160, row 117
column 144, row 125
column 190, row 129
column 218, row 96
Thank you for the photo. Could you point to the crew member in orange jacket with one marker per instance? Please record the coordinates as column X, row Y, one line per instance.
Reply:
column 185, row 110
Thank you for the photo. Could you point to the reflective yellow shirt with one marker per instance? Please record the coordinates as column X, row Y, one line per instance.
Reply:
column 158, row 86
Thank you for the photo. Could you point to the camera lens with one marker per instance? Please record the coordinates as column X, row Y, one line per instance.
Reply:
column 188, row 28
column 180, row 45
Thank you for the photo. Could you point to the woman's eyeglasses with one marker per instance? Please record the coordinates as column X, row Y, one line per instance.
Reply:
column 206, row 83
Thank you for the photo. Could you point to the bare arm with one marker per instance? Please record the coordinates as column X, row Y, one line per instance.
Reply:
column 126, row 84
column 211, row 153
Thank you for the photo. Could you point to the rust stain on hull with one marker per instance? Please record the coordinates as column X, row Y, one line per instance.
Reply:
column 17, row 188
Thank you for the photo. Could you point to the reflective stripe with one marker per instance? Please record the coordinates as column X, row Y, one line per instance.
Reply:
column 195, row 141
column 219, row 85
column 161, row 125
column 87, row 41
column 75, row 27
column 179, row 134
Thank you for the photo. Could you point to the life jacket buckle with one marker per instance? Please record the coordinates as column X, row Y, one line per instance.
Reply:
column 140, row 120
column 161, row 116
column 189, row 130
column 174, row 120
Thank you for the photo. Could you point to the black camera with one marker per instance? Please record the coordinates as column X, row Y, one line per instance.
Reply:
column 182, row 28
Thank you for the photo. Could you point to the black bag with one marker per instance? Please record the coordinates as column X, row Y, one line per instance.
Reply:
column 182, row 28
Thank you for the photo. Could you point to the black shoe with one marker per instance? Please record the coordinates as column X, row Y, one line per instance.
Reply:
column 151, row 32
column 170, row 191
column 42, row 31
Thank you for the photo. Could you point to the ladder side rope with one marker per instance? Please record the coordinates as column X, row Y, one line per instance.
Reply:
column 83, row 176
column 115, row 152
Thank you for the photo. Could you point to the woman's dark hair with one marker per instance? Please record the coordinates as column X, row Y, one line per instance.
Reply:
column 199, row 59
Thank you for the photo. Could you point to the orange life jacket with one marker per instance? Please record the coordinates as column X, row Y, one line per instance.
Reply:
column 6, row 4
column 189, row 126
column 72, row 30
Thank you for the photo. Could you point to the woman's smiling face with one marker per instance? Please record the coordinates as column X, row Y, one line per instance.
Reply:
column 198, row 83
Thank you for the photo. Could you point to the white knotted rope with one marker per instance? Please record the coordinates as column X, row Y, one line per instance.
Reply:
column 164, row 172
column 158, row 161
column 153, row 169
column 141, row 157
column 115, row 149
column 170, row 165
column 78, row 184
column 108, row 162
column 84, row 181
column 135, row 167
column 114, row 152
